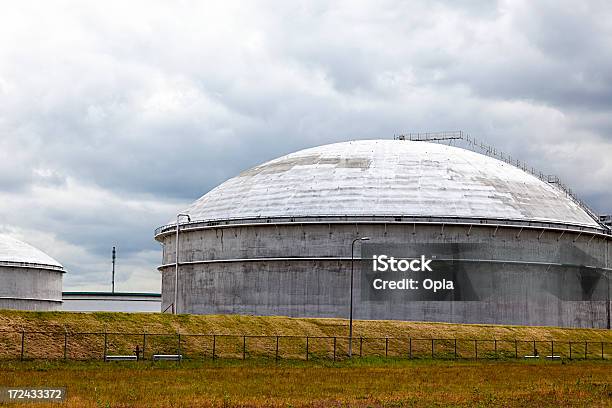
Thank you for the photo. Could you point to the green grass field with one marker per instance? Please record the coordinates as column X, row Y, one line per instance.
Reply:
column 363, row 383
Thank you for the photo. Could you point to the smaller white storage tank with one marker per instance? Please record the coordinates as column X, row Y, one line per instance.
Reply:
column 29, row 278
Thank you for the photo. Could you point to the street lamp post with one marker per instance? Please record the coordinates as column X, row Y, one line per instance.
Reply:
column 350, row 350
column 607, row 275
column 176, row 261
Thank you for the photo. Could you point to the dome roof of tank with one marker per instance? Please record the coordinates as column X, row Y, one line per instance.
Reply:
column 388, row 178
column 15, row 252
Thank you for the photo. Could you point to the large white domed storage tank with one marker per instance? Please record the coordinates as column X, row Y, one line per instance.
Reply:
column 29, row 278
column 276, row 239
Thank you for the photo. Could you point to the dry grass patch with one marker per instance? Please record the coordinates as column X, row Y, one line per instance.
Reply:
column 132, row 326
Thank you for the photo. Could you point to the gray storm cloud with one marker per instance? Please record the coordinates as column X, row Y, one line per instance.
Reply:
column 113, row 116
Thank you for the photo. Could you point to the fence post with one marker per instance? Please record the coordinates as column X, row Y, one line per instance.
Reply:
column 144, row 345
column 22, row 344
column 515, row 349
column 105, row 344
column 586, row 346
column 495, row 344
column 276, row 356
column 570, row 350
column 334, row 348
column 65, row 345
column 476, row 349
column 552, row 349
column 534, row 348
column 410, row 348
column 602, row 350
column 360, row 346
column 455, row 347
column 179, row 346
column 214, row 345
column 306, row 348
column 432, row 348
column 386, row 347
column 243, row 347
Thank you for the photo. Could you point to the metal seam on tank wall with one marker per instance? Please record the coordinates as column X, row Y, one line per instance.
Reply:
column 556, row 227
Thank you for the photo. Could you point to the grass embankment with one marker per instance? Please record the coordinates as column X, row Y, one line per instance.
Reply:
column 91, row 346
column 259, row 382
column 363, row 383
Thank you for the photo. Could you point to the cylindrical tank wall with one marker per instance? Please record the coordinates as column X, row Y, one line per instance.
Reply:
column 36, row 305
column 28, row 288
column 334, row 240
column 246, row 270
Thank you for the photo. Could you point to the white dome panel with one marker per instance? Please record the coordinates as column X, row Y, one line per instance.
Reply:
column 13, row 251
column 388, row 178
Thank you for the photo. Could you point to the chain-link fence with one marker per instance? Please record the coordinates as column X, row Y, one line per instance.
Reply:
column 30, row 345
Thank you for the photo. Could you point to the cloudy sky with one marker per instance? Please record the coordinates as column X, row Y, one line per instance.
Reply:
column 115, row 115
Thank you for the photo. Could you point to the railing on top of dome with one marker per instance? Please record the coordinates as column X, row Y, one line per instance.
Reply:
column 35, row 265
column 493, row 152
